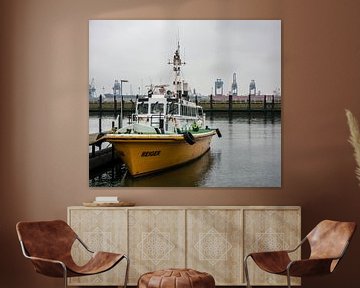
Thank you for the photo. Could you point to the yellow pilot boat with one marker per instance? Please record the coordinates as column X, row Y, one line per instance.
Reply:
column 166, row 130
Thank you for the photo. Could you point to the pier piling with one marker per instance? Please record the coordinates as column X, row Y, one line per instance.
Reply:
column 115, row 106
column 230, row 103
column 100, row 113
column 265, row 104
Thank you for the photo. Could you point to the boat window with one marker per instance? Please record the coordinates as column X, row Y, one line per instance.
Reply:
column 200, row 112
column 188, row 111
column 157, row 108
column 173, row 108
column 159, row 90
column 143, row 108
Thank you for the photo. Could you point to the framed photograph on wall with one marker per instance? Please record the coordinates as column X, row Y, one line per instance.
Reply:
column 185, row 103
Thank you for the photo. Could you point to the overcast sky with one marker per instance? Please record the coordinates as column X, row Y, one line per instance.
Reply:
column 138, row 51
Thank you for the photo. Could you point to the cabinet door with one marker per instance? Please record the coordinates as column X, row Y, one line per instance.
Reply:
column 214, row 244
column 101, row 230
column 156, row 240
column 270, row 230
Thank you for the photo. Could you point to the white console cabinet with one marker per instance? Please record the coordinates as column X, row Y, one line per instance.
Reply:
column 211, row 239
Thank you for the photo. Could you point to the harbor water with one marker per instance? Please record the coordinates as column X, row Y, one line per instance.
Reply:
column 247, row 155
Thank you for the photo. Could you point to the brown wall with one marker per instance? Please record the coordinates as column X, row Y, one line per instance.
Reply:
column 44, row 112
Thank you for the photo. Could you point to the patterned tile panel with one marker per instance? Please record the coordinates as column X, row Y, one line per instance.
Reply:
column 214, row 241
column 270, row 230
column 157, row 240
column 156, row 246
column 100, row 230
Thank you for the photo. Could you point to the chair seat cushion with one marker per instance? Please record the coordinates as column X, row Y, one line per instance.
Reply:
column 176, row 278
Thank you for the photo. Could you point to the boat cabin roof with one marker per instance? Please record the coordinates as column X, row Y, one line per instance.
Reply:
column 164, row 100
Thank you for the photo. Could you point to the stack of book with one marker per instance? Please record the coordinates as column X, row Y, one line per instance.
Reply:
column 106, row 199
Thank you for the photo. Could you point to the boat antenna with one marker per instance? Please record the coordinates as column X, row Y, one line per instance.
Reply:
column 178, row 38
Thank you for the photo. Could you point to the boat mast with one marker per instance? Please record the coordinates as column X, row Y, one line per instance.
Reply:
column 176, row 67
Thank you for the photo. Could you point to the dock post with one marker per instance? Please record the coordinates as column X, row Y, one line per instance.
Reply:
column 93, row 150
column 132, row 109
column 120, row 124
column 230, row 102
column 211, row 102
column 273, row 103
column 249, row 102
column 265, row 110
column 100, row 113
column 112, row 154
column 115, row 106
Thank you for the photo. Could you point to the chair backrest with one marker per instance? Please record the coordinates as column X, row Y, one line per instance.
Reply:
column 329, row 239
column 46, row 239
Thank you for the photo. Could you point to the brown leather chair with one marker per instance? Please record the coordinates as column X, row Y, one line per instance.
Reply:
column 48, row 245
column 328, row 242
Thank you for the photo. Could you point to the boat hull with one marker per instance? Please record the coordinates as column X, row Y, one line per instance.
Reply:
column 145, row 154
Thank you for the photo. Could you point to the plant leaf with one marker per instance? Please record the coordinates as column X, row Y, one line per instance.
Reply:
column 354, row 140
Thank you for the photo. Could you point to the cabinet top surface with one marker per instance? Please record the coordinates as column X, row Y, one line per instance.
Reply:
column 193, row 207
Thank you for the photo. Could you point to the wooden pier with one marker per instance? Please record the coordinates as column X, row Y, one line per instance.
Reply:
column 101, row 157
column 265, row 105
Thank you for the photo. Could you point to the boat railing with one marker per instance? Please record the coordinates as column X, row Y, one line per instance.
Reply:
column 155, row 120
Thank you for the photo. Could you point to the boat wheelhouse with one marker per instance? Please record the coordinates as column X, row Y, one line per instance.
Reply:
column 167, row 114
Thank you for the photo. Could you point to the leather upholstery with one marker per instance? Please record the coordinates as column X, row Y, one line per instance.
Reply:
column 176, row 278
column 328, row 242
column 272, row 262
column 329, row 238
column 53, row 240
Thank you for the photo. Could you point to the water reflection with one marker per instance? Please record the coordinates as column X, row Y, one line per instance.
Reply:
column 190, row 174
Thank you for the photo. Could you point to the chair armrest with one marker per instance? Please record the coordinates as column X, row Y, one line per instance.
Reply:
column 49, row 267
column 47, row 260
column 268, row 253
column 298, row 246
column 281, row 251
column 309, row 267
